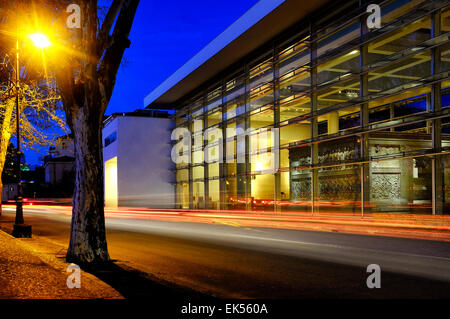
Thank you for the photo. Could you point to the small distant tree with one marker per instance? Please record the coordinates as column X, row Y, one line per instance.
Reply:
column 10, row 167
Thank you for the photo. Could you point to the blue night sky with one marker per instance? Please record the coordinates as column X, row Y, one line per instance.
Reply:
column 165, row 35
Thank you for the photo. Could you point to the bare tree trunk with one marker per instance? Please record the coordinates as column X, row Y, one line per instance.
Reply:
column 86, row 82
column 88, row 236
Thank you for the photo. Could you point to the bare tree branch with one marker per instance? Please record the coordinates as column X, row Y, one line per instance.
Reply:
column 103, row 34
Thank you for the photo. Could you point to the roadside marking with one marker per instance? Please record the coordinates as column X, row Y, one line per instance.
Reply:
column 335, row 246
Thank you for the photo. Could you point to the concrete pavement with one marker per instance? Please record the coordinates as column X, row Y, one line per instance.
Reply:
column 29, row 272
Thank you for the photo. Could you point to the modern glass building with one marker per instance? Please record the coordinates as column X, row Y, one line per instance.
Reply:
column 358, row 110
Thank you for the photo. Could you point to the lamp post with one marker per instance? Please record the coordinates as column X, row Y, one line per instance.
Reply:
column 21, row 230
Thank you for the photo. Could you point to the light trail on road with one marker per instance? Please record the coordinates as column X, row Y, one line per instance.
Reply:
column 404, row 226
column 201, row 251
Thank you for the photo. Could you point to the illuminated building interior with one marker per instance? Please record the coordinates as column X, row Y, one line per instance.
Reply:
column 111, row 191
column 362, row 117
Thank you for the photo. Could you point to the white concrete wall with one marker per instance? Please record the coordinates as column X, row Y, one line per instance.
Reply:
column 112, row 149
column 144, row 166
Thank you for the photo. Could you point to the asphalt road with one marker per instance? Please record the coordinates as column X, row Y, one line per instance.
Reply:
column 233, row 261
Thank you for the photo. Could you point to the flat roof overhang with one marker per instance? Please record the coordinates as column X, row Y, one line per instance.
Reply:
column 257, row 26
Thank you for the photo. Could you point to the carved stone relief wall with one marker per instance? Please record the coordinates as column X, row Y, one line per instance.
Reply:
column 385, row 186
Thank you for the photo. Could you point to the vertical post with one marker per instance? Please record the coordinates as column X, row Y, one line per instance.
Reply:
column 314, row 127
column 241, row 147
column 20, row 229
column 364, row 120
column 248, row 165
column 205, row 165
column 223, row 166
column 275, row 137
column 436, row 139
column 19, row 208
column 191, row 156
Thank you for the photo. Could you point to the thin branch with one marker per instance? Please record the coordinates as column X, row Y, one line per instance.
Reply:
column 103, row 34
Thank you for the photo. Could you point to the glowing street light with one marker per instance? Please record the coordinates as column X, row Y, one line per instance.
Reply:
column 20, row 229
column 40, row 40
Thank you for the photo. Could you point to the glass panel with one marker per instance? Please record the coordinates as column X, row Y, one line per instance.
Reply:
column 214, row 118
column 294, row 82
column 445, row 20
column 401, row 185
column 446, row 184
column 182, row 175
column 214, row 194
column 292, row 107
column 403, row 141
column 185, row 156
column 339, row 151
column 261, row 96
column 295, row 132
column 180, row 118
column 198, row 195
column 234, row 89
column 214, row 99
column 445, row 59
column 395, row 9
column 261, row 119
column 341, row 120
column 400, row 73
column 397, row 106
column 259, row 151
column 339, row 93
column 445, row 94
column 183, row 195
column 339, row 190
column 197, row 156
column 338, row 68
column 213, row 170
column 261, row 74
column 198, row 172
column 406, row 37
column 299, row 192
column 235, row 108
column 337, row 38
column 231, row 199
column 292, row 58
column 263, row 192
column 299, row 157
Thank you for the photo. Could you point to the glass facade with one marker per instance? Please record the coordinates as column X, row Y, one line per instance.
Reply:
column 337, row 118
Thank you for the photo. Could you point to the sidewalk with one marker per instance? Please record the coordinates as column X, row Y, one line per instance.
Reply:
column 26, row 272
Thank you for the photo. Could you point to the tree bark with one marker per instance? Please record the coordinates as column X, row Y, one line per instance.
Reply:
column 1, row 195
column 88, row 236
column 86, row 87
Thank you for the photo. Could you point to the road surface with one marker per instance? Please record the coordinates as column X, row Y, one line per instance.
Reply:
column 226, row 259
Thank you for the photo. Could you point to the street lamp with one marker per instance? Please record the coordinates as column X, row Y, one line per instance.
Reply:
column 21, row 230
column 40, row 40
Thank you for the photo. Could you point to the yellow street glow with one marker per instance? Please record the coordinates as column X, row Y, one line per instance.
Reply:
column 40, row 40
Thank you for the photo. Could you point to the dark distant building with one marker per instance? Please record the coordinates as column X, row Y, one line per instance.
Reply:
column 60, row 161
